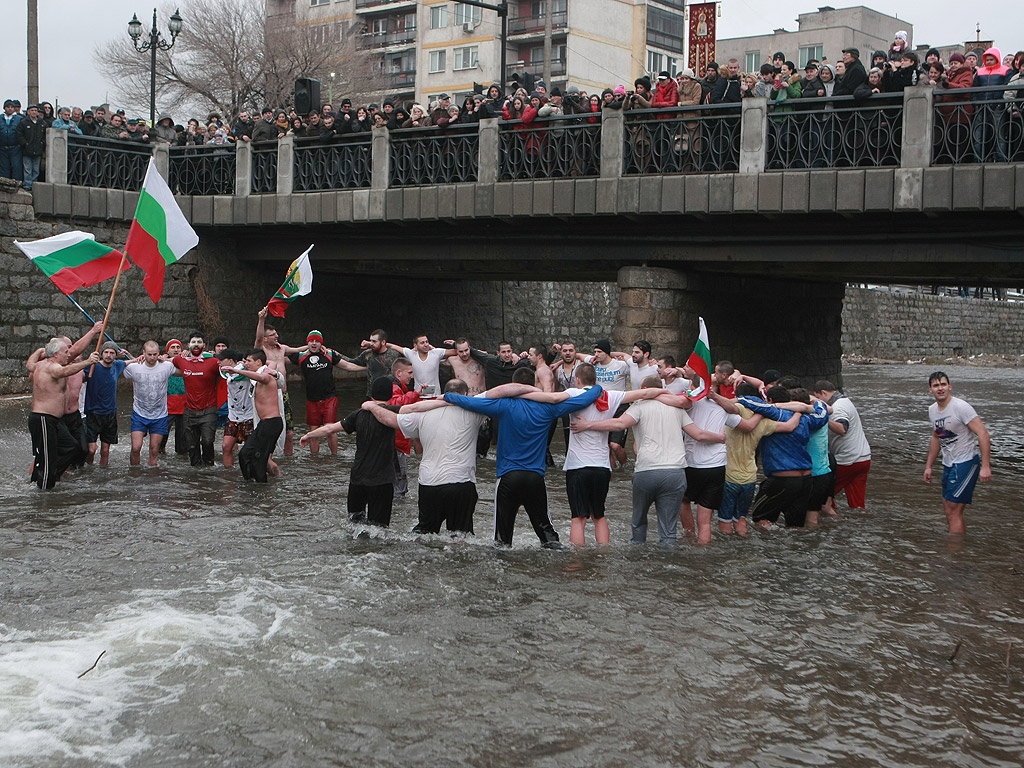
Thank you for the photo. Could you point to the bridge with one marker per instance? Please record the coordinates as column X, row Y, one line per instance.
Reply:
column 735, row 212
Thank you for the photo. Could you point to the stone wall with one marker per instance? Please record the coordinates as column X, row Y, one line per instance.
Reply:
column 911, row 326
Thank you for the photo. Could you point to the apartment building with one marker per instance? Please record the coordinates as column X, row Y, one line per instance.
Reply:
column 423, row 48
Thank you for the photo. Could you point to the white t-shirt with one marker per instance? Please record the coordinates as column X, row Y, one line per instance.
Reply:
column 449, row 443
column 240, row 403
column 709, row 415
column 590, row 449
column 613, row 376
column 637, row 373
column 853, row 446
column 425, row 371
column 659, row 435
column 150, row 387
column 677, row 386
column 959, row 443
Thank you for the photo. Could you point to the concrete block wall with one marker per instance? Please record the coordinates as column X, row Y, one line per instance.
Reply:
column 911, row 326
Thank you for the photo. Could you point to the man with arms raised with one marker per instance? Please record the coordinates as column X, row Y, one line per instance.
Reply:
column 52, row 445
column 201, row 372
column 101, row 402
column 612, row 375
column 277, row 353
column 254, row 458
column 149, row 376
column 466, row 368
column 376, row 357
column 639, row 362
column 240, row 406
column 425, row 360
column 317, row 365
column 961, row 435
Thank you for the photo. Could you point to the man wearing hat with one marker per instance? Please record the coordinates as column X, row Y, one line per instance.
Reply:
column 30, row 133
column 101, row 401
column 317, row 367
column 266, row 129
column 443, row 102
column 88, row 124
column 10, row 151
column 855, row 81
column 812, row 87
column 343, row 120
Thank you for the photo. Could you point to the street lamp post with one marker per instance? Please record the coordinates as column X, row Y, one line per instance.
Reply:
column 154, row 43
column 330, row 90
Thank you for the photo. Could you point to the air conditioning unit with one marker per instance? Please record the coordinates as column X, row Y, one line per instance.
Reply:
column 469, row 26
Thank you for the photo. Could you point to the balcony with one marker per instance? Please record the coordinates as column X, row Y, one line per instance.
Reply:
column 529, row 26
column 536, row 68
column 373, row 40
column 402, row 81
column 666, row 42
column 376, row 6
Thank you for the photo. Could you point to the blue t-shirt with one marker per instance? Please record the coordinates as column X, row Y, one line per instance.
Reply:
column 101, row 388
column 786, row 451
column 524, row 424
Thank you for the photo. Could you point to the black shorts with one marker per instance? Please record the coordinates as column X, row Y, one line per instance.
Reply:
column 786, row 496
column 371, row 503
column 451, row 503
column 102, row 426
column 823, row 487
column 619, row 438
column 705, row 486
column 587, row 489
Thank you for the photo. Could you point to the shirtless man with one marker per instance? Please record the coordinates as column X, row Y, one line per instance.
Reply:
column 254, row 458
column 466, row 368
column 72, row 413
column 53, row 446
column 277, row 353
column 540, row 358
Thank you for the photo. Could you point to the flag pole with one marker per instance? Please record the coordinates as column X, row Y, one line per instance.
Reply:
column 88, row 316
column 106, row 315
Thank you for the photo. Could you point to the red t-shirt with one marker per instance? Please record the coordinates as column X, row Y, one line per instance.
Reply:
column 201, row 376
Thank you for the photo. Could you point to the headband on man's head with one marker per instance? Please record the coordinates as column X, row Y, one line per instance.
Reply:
column 167, row 346
column 315, row 335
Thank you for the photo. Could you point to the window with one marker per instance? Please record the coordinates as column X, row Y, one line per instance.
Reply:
column 314, row 3
column 466, row 14
column 752, row 61
column 466, row 57
column 673, row 65
column 808, row 52
column 665, row 30
column 438, row 16
column 437, row 61
column 379, row 26
column 540, row 9
column 410, row 22
column 655, row 61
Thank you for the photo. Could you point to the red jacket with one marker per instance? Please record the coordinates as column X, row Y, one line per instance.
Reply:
column 666, row 94
column 400, row 395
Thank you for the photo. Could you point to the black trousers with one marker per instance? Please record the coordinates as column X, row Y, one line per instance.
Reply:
column 73, row 421
column 53, row 448
column 177, row 421
column 522, row 488
column 252, row 459
column 371, row 502
column 452, row 503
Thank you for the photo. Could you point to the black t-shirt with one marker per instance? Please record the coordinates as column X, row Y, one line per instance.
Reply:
column 375, row 448
column 318, row 371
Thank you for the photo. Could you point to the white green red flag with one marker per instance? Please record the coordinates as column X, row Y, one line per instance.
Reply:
column 298, row 281
column 700, row 362
column 73, row 260
column 160, row 235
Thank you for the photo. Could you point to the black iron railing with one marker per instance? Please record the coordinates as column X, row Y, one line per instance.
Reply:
column 202, row 170
column 557, row 147
column 978, row 125
column 341, row 164
column 692, row 140
column 423, row 156
column 835, row 133
column 264, row 167
column 536, row 68
column 369, row 40
column 108, row 163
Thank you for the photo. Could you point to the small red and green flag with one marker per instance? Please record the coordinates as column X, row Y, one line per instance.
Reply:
column 298, row 281
column 160, row 235
column 700, row 362
column 73, row 260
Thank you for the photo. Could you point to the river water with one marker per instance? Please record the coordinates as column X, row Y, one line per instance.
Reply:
column 251, row 626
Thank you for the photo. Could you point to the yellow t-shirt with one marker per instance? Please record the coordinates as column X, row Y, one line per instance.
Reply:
column 741, row 468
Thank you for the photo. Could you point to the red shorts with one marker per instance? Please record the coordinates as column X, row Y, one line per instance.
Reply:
column 320, row 412
column 853, row 478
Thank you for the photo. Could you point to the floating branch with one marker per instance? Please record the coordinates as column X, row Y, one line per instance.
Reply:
column 90, row 669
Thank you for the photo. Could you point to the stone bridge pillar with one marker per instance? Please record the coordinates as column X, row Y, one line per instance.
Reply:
column 650, row 302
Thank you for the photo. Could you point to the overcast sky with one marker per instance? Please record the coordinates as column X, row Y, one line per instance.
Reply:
column 69, row 30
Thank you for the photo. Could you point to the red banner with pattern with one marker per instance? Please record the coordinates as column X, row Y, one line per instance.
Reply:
column 702, row 36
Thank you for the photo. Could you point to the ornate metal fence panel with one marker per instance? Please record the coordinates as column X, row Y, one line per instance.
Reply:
column 835, row 133
column 553, row 148
column 202, row 170
column 691, row 140
column 264, row 167
column 425, row 156
column 109, row 163
column 343, row 164
column 978, row 125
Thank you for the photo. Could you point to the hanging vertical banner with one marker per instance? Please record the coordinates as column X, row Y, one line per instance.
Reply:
column 702, row 36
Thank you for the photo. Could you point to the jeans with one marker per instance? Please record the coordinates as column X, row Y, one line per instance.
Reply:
column 200, row 428
column 30, row 166
column 10, row 163
column 664, row 488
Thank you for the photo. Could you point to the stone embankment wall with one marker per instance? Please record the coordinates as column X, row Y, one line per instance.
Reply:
column 911, row 326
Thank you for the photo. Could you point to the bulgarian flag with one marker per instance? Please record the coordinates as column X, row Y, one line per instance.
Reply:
column 700, row 361
column 297, row 282
column 159, row 234
column 73, row 260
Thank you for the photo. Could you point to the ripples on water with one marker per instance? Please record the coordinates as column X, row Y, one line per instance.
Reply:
column 254, row 626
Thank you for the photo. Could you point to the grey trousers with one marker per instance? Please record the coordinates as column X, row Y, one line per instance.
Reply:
column 664, row 488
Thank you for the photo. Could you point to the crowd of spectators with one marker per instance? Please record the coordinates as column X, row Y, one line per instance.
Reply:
column 988, row 118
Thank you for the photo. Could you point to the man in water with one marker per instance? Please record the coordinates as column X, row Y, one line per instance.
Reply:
column 149, row 376
column 201, row 374
column 53, row 446
column 466, row 368
column 425, row 359
column 277, row 353
column 317, row 365
column 240, row 406
column 376, row 358
column 847, row 443
column 101, row 402
column 255, row 457
column 961, row 435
